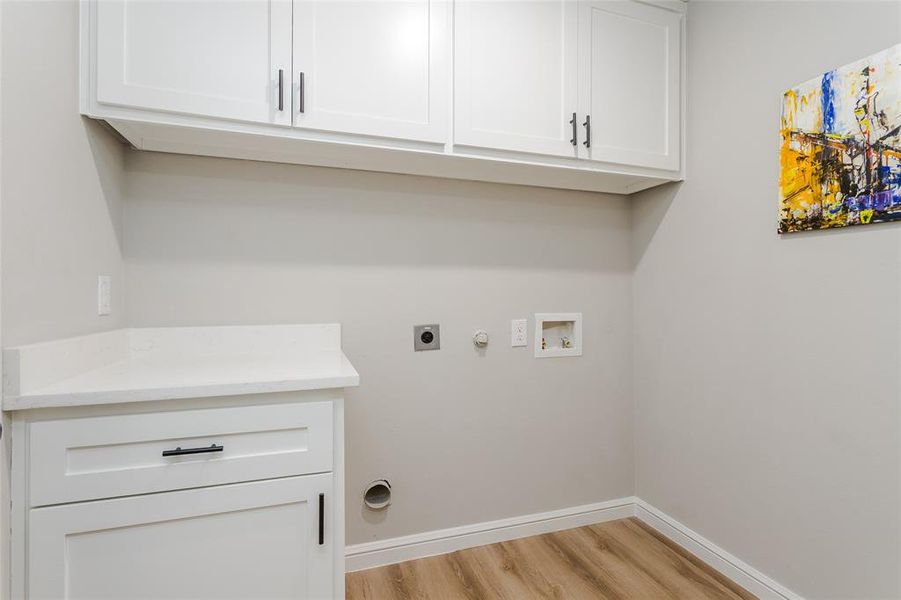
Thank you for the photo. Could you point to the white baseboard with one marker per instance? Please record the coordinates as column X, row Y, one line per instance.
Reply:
column 741, row 573
column 432, row 543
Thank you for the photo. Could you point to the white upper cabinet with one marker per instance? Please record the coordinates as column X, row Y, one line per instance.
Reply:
column 515, row 64
column 629, row 80
column 377, row 68
column 196, row 57
column 489, row 90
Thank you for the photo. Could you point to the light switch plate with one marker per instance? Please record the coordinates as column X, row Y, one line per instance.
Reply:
column 104, row 295
column 426, row 337
column 519, row 332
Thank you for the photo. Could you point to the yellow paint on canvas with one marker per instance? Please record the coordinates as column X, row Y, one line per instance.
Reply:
column 840, row 153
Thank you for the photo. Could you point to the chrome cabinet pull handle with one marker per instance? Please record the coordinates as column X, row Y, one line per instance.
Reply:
column 179, row 451
column 281, row 89
column 301, row 93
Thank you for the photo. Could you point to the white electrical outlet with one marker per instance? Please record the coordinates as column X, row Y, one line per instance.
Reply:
column 104, row 295
column 519, row 332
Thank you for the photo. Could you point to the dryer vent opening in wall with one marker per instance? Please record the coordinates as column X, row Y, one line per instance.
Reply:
column 377, row 495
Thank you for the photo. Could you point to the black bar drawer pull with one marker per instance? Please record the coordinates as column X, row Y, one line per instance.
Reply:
column 587, row 125
column 321, row 519
column 179, row 451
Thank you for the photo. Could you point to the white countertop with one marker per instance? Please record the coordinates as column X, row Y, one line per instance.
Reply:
column 140, row 365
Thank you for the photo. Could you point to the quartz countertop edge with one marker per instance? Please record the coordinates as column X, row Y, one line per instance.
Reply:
column 228, row 361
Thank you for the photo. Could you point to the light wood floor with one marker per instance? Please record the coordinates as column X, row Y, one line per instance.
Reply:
column 619, row 559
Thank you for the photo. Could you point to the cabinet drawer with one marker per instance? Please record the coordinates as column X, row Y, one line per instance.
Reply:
column 119, row 455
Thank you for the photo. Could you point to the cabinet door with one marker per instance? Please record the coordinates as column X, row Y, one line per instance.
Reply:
column 629, row 79
column 196, row 57
column 247, row 541
column 515, row 68
column 372, row 67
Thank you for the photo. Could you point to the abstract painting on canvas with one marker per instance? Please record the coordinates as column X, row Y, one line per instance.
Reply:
column 840, row 158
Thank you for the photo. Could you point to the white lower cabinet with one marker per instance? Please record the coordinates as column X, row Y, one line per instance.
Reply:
column 109, row 456
column 249, row 540
column 218, row 498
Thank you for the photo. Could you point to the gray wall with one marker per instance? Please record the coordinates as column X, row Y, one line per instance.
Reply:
column 766, row 367
column 60, row 181
column 795, row 469
column 61, row 213
column 463, row 436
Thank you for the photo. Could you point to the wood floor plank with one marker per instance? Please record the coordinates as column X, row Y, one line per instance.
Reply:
column 530, row 572
column 369, row 585
column 632, row 579
column 595, row 583
column 725, row 582
column 618, row 560
column 452, row 580
column 571, row 577
column 683, row 579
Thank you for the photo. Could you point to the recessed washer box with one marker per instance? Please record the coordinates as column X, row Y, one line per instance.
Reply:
column 558, row 334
